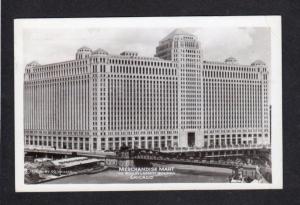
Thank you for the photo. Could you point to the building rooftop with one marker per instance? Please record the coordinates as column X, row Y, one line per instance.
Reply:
column 232, row 63
column 70, row 162
column 100, row 51
column 84, row 48
column 258, row 62
column 175, row 33
column 231, row 60
column 32, row 64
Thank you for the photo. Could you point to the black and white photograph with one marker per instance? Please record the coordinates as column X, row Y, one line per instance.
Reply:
column 160, row 103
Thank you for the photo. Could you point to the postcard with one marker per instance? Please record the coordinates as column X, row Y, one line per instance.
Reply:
column 160, row 103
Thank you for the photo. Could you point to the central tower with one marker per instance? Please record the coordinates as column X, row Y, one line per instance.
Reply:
column 184, row 48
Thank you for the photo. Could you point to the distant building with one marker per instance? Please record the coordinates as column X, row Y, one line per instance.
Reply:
column 100, row 101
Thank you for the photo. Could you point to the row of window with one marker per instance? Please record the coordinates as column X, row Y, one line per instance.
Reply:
column 143, row 70
column 53, row 67
column 231, row 68
column 76, row 143
column 216, row 74
column 140, row 62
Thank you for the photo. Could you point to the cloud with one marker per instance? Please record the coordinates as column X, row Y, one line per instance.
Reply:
column 52, row 45
column 55, row 45
column 220, row 43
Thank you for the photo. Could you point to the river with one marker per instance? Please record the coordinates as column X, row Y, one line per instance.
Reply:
column 182, row 174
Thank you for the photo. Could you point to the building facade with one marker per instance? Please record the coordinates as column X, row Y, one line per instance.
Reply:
column 101, row 101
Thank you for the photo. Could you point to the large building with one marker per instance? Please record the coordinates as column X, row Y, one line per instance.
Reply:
column 101, row 101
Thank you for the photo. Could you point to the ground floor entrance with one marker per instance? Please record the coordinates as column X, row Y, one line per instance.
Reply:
column 191, row 139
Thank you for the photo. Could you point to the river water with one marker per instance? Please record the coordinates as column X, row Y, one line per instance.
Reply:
column 181, row 174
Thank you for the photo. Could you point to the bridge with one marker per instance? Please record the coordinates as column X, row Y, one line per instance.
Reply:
column 146, row 159
column 230, row 157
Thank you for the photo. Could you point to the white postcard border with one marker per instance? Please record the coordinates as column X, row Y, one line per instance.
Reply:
column 274, row 22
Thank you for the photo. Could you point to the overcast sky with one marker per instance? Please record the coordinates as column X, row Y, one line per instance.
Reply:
column 56, row 45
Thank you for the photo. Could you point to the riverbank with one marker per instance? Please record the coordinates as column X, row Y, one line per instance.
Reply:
column 40, row 175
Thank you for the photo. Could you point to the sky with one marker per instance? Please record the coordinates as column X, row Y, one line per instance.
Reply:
column 218, row 43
